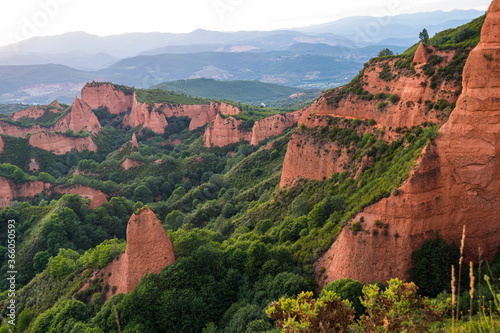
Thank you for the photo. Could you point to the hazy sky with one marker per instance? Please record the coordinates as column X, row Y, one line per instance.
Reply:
column 27, row 18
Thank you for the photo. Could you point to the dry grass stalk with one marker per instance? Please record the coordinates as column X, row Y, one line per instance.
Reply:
column 452, row 298
column 460, row 270
column 471, row 291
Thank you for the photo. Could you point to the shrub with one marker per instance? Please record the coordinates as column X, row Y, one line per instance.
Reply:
column 305, row 314
column 347, row 289
column 382, row 105
column 398, row 309
column 385, row 74
column 394, row 98
column 431, row 265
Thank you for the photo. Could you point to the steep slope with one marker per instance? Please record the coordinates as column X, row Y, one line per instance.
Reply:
column 10, row 191
column 456, row 183
column 391, row 92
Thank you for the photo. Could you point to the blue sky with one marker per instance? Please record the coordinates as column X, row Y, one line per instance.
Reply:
column 28, row 18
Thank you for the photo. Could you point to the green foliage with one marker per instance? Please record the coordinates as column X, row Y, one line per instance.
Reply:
column 41, row 260
column 431, row 264
column 386, row 74
column 152, row 96
column 63, row 264
column 305, row 314
column 385, row 52
column 399, row 309
column 347, row 289
column 424, row 36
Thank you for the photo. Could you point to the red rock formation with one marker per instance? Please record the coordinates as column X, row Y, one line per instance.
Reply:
column 79, row 118
column 97, row 198
column 421, row 56
column 1, row 144
column 456, row 183
column 134, row 141
column 10, row 191
column 128, row 164
column 146, row 116
column 37, row 111
column 33, row 112
column 149, row 250
column 225, row 131
column 115, row 100
column 200, row 114
column 310, row 160
column 226, row 109
column 273, row 126
column 60, row 144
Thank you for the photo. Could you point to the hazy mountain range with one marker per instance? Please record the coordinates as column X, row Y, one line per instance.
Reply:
column 320, row 56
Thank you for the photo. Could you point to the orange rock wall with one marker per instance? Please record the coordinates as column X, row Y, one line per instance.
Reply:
column 223, row 132
column 115, row 100
column 149, row 250
column 10, row 191
column 60, row 144
column 97, row 198
column 34, row 112
column 141, row 115
column 456, row 183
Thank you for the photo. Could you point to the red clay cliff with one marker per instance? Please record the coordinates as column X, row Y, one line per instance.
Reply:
column 456, row 183
column 149, row 250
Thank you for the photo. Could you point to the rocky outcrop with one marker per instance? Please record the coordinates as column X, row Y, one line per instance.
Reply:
column 9, row 191
column 226, row 109
column 80, row 118
column 60, row 144
column 149, row 250
column 37, row 111
column 134, row 142
column 107, row 95
column 146, row 116
column 97, row 198
column 456, row 183
column 310, row 160
column 421, row 55
column 2, row 143
column 225, row 131
column 129, row 163
column 33, row 112
column 273, row 126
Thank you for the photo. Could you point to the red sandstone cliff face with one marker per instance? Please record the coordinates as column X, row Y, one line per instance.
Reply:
column 10, row 191
column 274, row 125
column 456, row 183
column 421, row 56
column 97, row 198
column 223, row 132
column 145, row 116
column 149, row 250
column 60, row 144
column 115, row 100
column 34, row 166
column 1, row 144
column 79, row 118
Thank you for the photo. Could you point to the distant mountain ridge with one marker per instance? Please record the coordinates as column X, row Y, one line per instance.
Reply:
column 322, row 56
